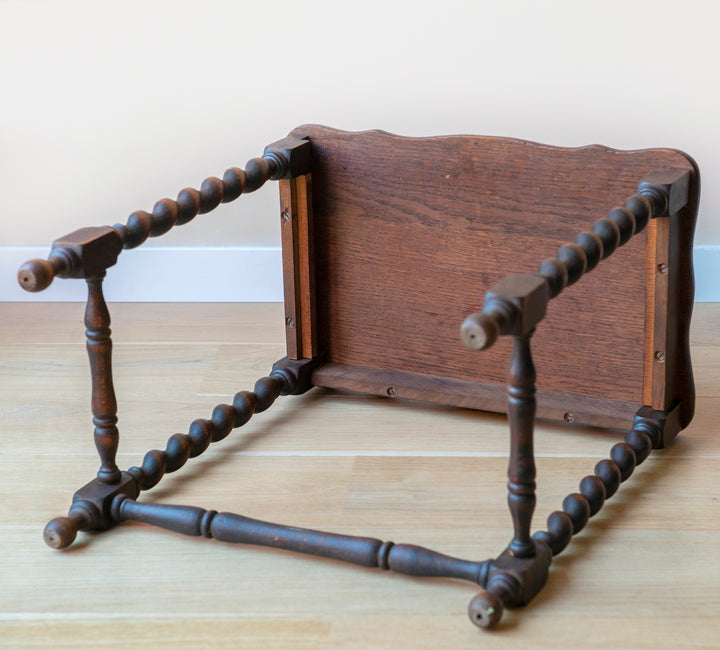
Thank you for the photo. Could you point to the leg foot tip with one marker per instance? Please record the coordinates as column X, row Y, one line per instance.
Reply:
column 60, row 533
column 485, row 610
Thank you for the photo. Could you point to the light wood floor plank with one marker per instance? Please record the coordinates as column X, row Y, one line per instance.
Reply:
column 644, row 573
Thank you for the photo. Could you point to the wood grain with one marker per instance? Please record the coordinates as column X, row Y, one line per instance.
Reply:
column 291, row 280
column 298, row 269
column 306, row 269
column 651, row 269
column 643, row 573
column 411, row 232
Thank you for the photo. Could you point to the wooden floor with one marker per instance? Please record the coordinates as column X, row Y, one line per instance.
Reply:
column 645, row 573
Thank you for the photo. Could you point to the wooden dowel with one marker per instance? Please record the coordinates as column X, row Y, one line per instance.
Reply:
column 103, row 403
column 365, row 551
column 521, row 469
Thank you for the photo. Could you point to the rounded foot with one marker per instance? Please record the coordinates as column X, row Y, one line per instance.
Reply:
column 35, row 275
column 485, row 610
column 479, row 331
column 60, row 533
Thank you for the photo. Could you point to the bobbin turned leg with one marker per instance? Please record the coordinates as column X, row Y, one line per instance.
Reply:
column 650, row 430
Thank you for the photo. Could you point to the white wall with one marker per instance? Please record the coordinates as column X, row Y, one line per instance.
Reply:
column 107, row 106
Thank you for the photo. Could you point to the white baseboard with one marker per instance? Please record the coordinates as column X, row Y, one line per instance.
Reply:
column 707, row 273
column 221, row 274
column 163, row 274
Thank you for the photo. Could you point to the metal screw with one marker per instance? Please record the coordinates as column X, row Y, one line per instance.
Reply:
column 391, row 391
column 289, row 322
column 569, row 417
column 662, row 268
column 285, row 216
column 660, row 356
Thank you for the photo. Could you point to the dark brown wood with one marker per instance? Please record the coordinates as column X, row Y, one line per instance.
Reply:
column 81, row 254
column 563, row 407
column 297, row 373
column 381, row 264
column 518, row 302
column 237, row 529
column 298, row 273
column 296, row 227
column 515, row 305
column 667, row 345
column 104, row 404
column 669, row 189
column 92, row 504
column 575, row 259
column 521, row 468
column 388, row 211
column 292, row 155
column 190, row 202
column 669, row 423
column 510, row 581
column 37, row 275
column 291, row 280
column 681, row 301
column 90, row 510
column 649, row 431
column 224, row 418
column 60, row 532
column 90, row 251
column 486, row 609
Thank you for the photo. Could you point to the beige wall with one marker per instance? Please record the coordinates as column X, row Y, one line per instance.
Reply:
column 106, row 107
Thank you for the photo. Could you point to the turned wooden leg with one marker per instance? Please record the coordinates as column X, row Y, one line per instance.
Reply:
column 486, row 609
column 104, row 405
column 521, row 470
column 61, row 531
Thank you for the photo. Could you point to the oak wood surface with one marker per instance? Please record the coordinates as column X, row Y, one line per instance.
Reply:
column 298, row 272
column 643, row 573
column 411, row 232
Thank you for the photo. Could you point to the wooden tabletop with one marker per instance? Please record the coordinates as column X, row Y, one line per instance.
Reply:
column 645, row 572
